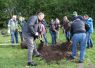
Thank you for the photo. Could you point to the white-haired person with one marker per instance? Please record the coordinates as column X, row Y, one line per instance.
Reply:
column 13, row 29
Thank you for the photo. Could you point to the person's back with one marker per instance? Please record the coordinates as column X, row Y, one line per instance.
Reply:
column 78, row 26
column 78, row 37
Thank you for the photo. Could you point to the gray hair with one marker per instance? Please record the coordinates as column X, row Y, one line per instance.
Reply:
column 40, row 13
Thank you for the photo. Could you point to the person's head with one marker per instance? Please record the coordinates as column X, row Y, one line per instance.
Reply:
column 21, row 18
column 52, row 20
column 40, row 16
column 14, row 17
column 65, row 18
column 75, row 13
column 85, row 17
column 57, row 20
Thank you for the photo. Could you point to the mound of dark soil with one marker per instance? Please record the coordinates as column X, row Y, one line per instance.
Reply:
column 55, row 53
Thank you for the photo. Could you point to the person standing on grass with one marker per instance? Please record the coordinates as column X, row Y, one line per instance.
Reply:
column 78, row 36
column 40, row 28
column 53, row 32
column 44, row 34
column 13, row 28
column 57, row 26
column 66, row 27
column 20, row 24
column 89, row 22
column 30, row 34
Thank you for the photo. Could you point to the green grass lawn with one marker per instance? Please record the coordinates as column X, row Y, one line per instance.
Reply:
column 17, row 58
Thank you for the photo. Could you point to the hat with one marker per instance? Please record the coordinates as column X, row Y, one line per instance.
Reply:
column 75, row 13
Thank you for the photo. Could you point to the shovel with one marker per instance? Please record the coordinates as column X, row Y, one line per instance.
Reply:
column 41, row 43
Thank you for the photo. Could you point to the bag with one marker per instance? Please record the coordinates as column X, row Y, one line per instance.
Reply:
column 23, row 45
column 87, row 27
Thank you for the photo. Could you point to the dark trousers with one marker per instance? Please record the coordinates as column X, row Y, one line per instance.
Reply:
column 21, row 37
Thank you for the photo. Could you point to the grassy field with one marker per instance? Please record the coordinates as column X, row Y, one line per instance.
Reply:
column 17, row 58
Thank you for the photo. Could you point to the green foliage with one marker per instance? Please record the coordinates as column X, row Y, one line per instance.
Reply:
column 52, row 8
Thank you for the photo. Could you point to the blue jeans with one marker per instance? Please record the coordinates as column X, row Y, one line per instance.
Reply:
column 14, row 36
column 53, row 35
column 46, row 42
column 89, row 40
column 68, row 35
column 79, row 38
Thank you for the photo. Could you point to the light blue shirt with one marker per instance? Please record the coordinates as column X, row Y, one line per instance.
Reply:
column 89, row 21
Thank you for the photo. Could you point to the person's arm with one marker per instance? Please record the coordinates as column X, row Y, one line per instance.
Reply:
column 17, row 26
column 44, row 23
column 54, row 28
column 32, row 21
column 9, row 26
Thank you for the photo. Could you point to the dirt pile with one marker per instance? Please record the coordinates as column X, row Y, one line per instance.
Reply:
column 55, row 53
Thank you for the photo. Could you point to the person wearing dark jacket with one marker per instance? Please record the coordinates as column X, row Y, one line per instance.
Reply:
column 53, row 32
column 30, row 34
column 57, row 27
column 20, row 24
column 75, row 16
column 66, row 27
column 78, row 36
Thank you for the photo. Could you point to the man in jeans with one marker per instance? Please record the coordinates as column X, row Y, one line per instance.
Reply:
column 13, row 28
column 30, row 33
column 78, row 36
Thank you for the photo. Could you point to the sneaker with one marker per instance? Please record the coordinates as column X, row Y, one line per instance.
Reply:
column 80, row 61
column 39, row 55
column 88, row 47
column 32, row 64
column 91, row 46
column 70, row 58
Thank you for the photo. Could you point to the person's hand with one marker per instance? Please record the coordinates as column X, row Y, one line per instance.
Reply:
column 56, row 31
column 36, row 35
column 8, row 31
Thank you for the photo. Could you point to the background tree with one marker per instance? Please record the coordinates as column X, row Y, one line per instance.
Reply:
column 51, row 8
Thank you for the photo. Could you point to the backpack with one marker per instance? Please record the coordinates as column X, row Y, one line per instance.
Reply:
column 87, row 27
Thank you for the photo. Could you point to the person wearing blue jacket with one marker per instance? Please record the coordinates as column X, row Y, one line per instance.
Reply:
column 89, row 22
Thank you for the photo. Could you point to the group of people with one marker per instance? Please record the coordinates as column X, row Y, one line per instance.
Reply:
column 78, row 31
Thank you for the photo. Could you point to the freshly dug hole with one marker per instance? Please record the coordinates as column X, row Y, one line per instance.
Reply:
column 55, row 53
